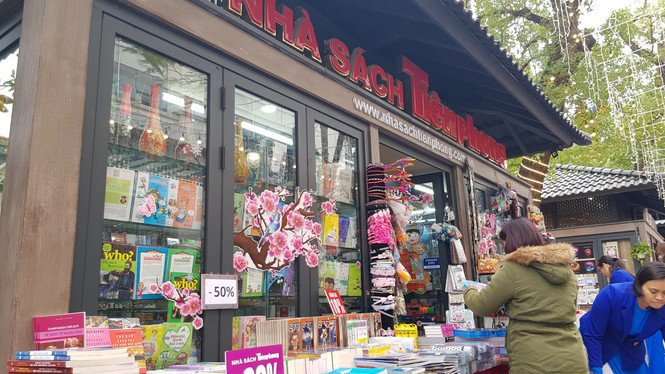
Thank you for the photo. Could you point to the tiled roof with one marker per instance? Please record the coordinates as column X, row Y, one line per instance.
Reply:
column 580, row 137
column 572, row 180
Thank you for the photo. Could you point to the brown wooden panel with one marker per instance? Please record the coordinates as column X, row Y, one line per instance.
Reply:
column 38, row 223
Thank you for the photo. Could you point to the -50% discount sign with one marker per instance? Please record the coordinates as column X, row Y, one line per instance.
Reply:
column 219, row 291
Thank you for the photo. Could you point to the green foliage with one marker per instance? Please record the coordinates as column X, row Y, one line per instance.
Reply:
column 640, row 251
column 527, row 30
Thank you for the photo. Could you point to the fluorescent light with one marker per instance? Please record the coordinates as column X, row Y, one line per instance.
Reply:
column 179, row 101
column 268, row 108
column 267, row 133
column 421, row 188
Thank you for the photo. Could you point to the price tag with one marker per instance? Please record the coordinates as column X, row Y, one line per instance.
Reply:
column 336, row 302
column 219, row 291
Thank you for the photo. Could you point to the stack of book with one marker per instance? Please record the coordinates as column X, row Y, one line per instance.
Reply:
column 435, row 334
column 83, row 360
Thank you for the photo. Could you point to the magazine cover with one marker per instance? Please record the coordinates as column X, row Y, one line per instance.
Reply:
column 176, row 344
column 152, row 341
column 151, row 269
column 117, row 271
column 119, row 193
column 59, row 331
column 185, row 204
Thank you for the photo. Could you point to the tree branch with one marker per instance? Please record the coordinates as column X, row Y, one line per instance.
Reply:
column 528, row 14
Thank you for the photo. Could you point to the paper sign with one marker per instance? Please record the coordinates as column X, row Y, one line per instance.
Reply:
column 336, row 302
column 260, row 360
column 219, row 291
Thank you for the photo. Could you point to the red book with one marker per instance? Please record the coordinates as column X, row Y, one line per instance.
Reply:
column 59, row 331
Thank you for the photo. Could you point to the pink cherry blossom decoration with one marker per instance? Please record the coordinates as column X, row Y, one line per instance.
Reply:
column 197, row 323
column 240, row 262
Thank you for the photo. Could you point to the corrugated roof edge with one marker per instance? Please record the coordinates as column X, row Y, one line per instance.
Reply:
column 580, row 137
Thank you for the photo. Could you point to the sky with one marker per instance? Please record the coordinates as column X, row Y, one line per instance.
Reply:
column 6, row 66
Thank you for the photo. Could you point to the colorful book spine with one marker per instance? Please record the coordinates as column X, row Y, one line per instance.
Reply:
column 151, row 269
column 59, row 331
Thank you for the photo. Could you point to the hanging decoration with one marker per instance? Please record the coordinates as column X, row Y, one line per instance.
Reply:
column 186, row 302
column 279, row 232
column 152, row 140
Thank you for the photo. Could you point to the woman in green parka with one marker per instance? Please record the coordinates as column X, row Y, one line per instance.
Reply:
column 539, row 289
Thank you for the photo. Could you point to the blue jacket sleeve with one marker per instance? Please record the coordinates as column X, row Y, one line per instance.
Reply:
column 593, row 328
column 621, row 276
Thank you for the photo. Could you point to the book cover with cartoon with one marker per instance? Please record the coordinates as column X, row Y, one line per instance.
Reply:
column 330, row 235
column 176, row 344
column 184, row 207
column 355, row 281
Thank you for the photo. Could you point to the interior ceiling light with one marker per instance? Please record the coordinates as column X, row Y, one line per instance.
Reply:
column 268, row 108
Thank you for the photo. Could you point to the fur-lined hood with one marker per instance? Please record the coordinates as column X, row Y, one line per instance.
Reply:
column 551, row 261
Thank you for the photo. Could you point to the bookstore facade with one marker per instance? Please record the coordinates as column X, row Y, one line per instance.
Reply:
column 197, row 117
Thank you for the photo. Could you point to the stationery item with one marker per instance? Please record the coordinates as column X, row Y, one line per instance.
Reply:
column 117, row 271
column 119, row 193
column 357, row 332
column 151, row 269
column 455, row 278
column 59, row 331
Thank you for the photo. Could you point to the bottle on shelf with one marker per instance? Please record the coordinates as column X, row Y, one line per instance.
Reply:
column 152, row 140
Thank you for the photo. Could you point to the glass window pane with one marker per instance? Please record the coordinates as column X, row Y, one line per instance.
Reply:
column 265, row 158
column 154, row 207
column 8, row 64
column 336, row 166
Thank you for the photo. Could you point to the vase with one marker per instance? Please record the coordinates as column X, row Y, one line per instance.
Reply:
column 242, row 165
column 185, row 150
column 152, row 140
column 126, row 109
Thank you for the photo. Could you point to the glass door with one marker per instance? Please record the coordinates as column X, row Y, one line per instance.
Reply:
column 337, row 158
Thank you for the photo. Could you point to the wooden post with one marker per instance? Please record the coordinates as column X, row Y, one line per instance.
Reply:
column 38, row 221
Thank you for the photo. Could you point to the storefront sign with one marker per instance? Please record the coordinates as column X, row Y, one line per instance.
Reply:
column 297, row 31
column 408, row 129
column 336, row 302
column 260, row 360
column 219, row 291
column 431, row 263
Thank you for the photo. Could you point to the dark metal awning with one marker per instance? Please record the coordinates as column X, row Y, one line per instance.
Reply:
column 465, row 65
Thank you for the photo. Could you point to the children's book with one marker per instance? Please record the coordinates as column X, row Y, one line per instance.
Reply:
column 355, row 281
column 327, row 274
column 150, row 199
column 97, row 334
column 132, row 339
column 184, row 261
column 124, row 323
column 330, row 235
column 326, row 332
column 151, row 268
column 181, row 281
column 244, row 331
column 294, row 337
column 200, row 208
column 238, row 212
column 119, row 194
column 152, row 341
column 176, row 344
column 252, row 283
column 344, row 185
column 342, row 278
column 344, row 223
column 59, row 331
column 171, row 202
column 117, row 271
column 307, row 334
column 185, row 205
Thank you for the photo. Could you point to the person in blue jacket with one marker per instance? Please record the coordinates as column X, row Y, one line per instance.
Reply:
column 621, row 318
column 614, row 269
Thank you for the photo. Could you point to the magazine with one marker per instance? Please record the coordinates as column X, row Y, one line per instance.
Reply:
column 119, row 193
column 151, row 268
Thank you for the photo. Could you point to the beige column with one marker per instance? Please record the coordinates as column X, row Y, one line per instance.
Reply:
column 38, row 221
